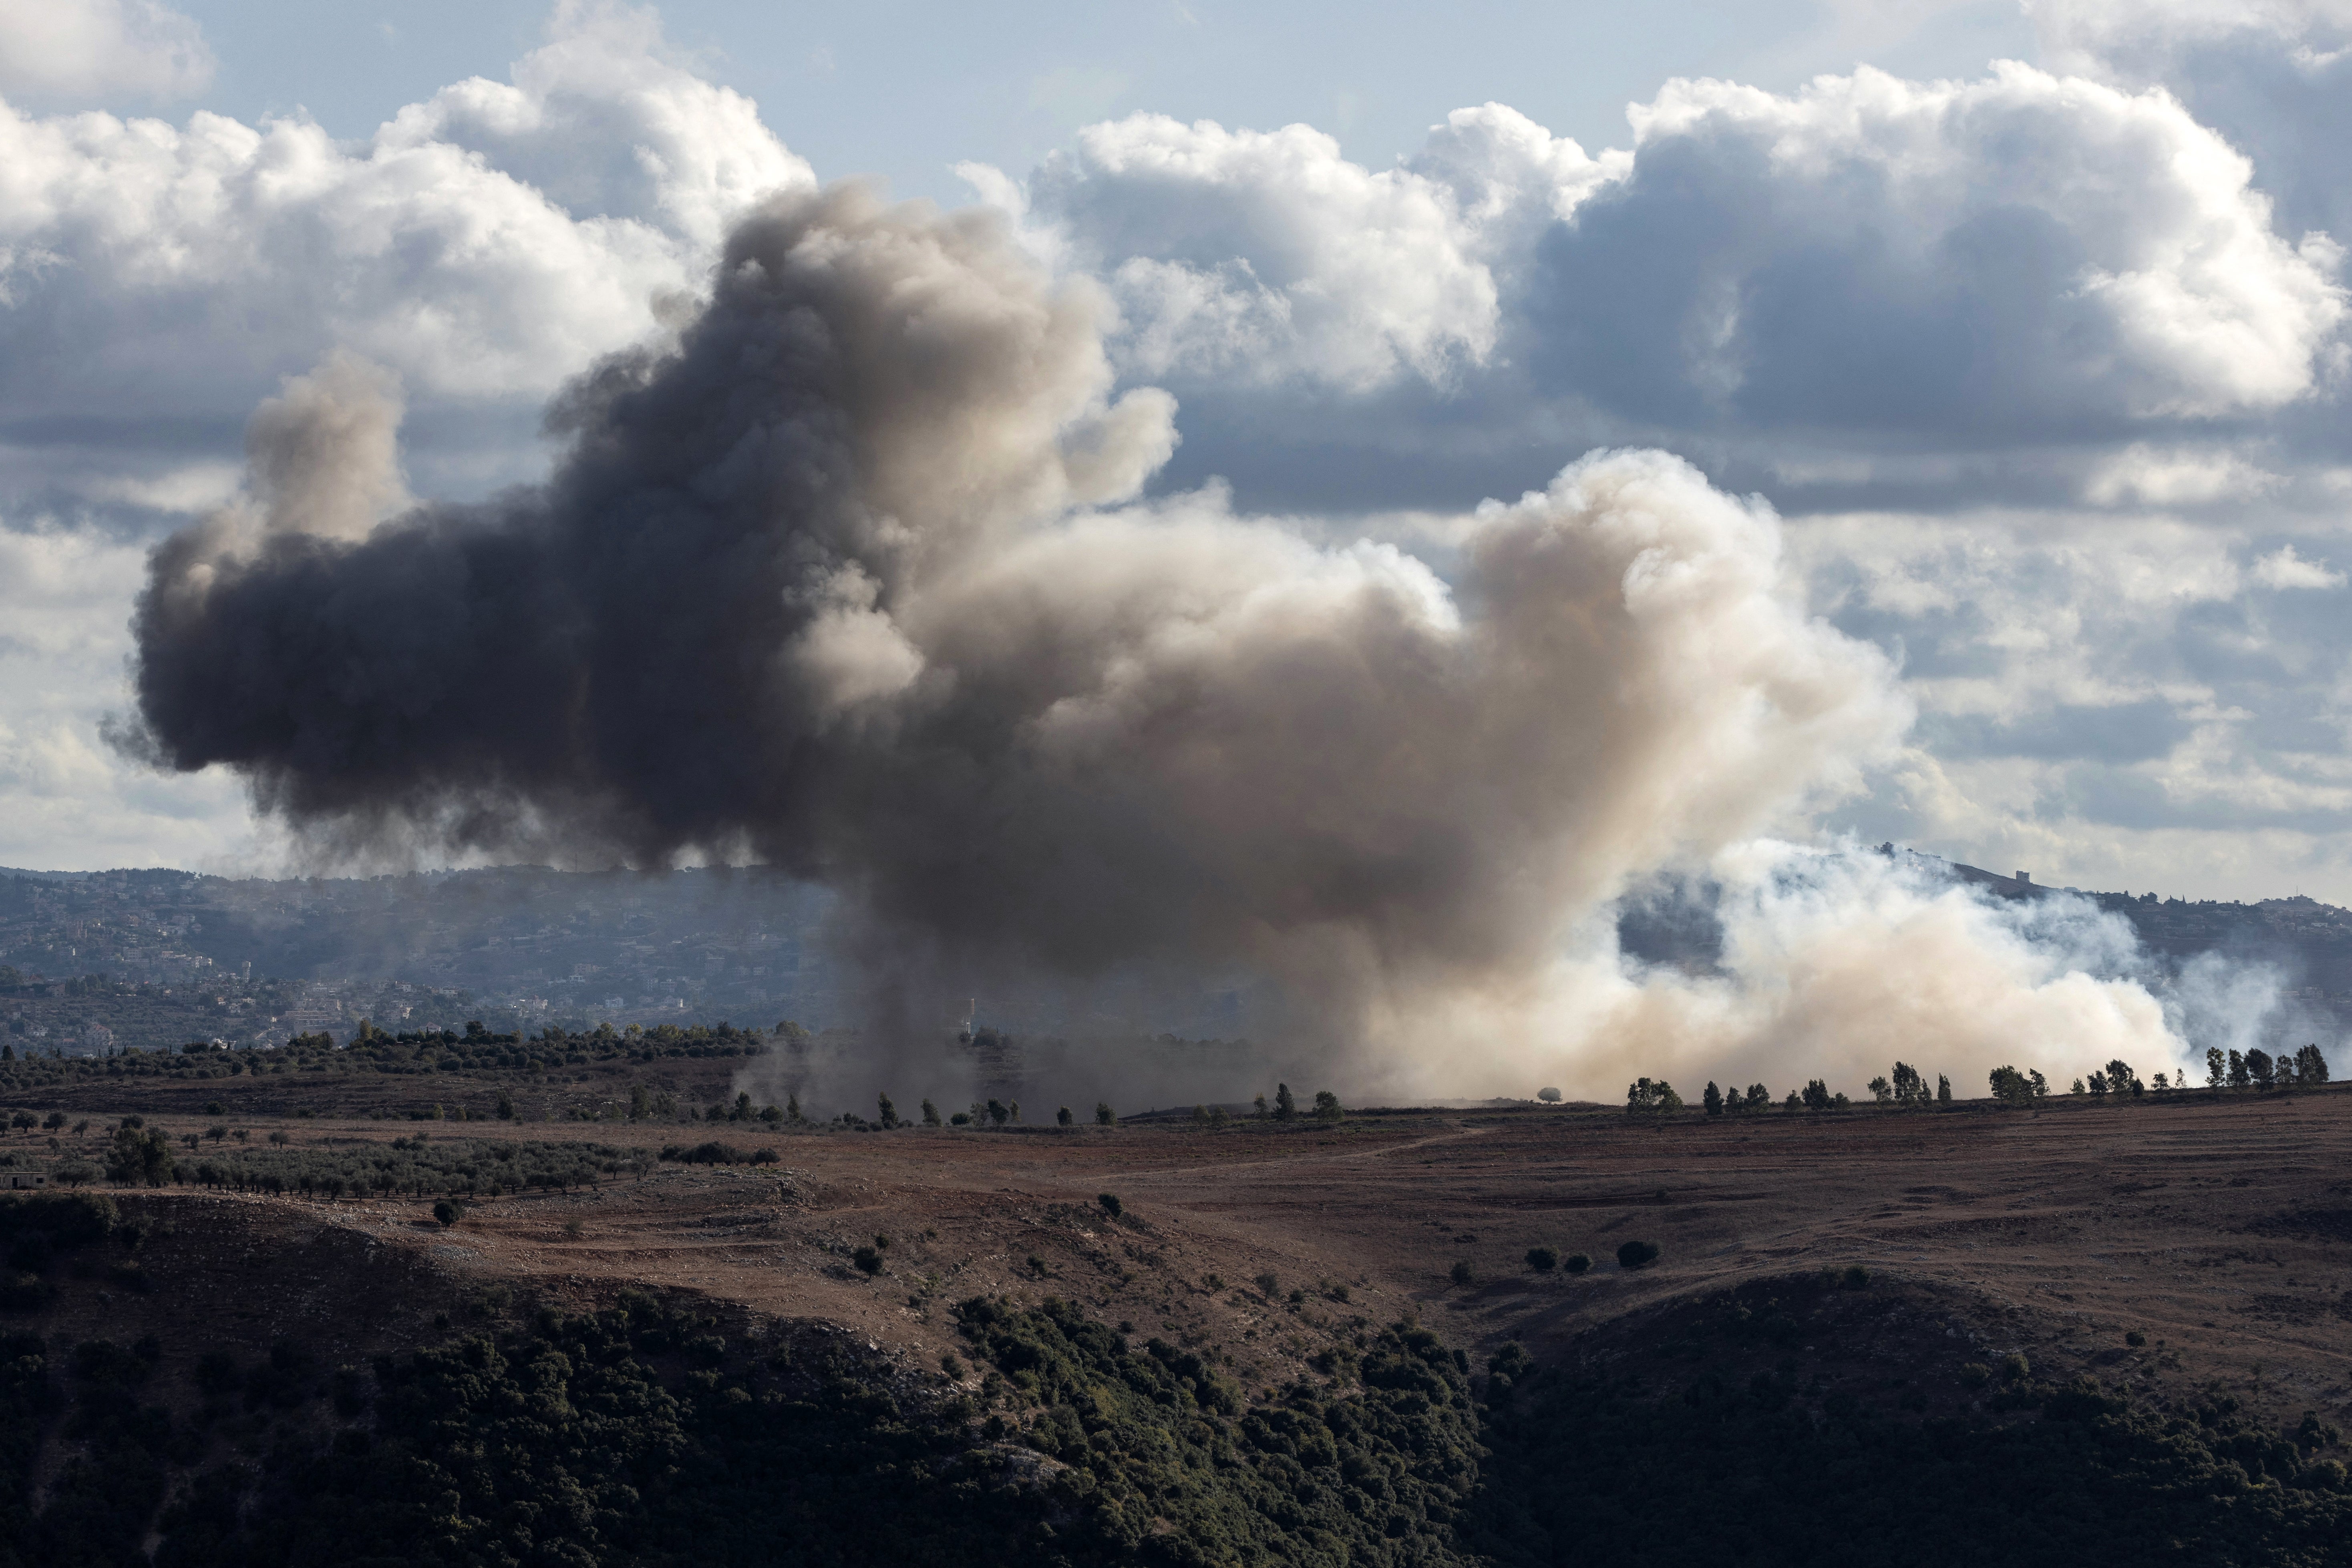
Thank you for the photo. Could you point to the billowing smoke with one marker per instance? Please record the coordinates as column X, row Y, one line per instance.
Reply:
column 849, row 578
column 1837, row 963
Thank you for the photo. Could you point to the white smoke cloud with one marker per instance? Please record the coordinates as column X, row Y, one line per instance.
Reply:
column 87, row 50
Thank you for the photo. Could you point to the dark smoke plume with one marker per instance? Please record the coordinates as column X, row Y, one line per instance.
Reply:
column 839, row 580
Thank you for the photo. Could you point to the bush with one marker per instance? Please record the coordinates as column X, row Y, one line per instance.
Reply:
column 1549, row 1096
column 2134, row 1338
column 1575, row 1264
column 1462, row 1273
column 1637, row 1254
column 1110, row 1204
column 1542, row 1259
column 1854, row 1278
column 1976, row 1374
column 446, row 1212
column 868, row 1259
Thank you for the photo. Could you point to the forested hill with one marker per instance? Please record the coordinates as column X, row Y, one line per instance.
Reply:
column 2312, row 940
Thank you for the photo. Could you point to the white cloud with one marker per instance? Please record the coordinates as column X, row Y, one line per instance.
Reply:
column 2147, row 476
column 2284, row 568
column 1872, row 252
column 154, row 270
column 90, row 50
column 1256, row 256
column 2092, row 35
column 66, row 801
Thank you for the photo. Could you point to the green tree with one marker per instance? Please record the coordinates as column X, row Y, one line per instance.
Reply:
column 1943, row 1090
column 1637, row 1254
column 504, row 1108
column 1816, row 1095
column 1651, row 1097
column 1286, row 1106
column 2258, row 1068
column 1712, row 1099
column 931, row 1114
column 2241, row 1076
column 1549, row 1096
column 1063, row 1117
column 137, row 1158
column 2012, row 1087
column 1759, row 1097
column 1881, row 1090
column 1543, row 1260
column 889, row 1112
column 1104, row 1115
column 1327, row 1106
column 2213, row 1069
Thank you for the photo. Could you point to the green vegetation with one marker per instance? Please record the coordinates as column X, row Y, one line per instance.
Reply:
column 419, row 1165
column 1797, row 1473
column 642, row 1436
column 1637, row 1254
column 1648, row 1097
column 648, row 1435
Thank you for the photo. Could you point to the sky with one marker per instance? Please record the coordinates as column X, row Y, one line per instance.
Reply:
column 2025, row 325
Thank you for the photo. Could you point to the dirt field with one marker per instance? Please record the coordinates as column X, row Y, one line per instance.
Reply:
column 2220, row 1231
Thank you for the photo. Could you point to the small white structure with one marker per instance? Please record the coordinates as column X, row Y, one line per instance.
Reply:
column 18, row 1180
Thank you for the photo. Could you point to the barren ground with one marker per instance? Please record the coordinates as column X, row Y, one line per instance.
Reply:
column 2219, row 1230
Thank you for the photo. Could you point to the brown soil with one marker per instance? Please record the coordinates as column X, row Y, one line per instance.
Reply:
column 2222, row 1230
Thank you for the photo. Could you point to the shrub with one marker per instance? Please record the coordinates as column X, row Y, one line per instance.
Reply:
column 1637, row 1254
column 1575, row 1264
column 1462, row 1273
column 448, row 1212
column 1549, row 1096
column 1268, row 1284
column 2014, row 1367
column 1542, row 1259
column 1327, row 1106
column 1975, row 1373
column 2134, row 1338
column 868, row 1259
column 1104, row 1115
column 1063, row 1117
column 1854, row 1278
column 1110, row 1204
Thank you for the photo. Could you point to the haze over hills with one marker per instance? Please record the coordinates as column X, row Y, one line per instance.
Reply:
column 255, row 960
column 516, row 946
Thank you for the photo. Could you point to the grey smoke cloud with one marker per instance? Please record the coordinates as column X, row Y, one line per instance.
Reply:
column 841, row 579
